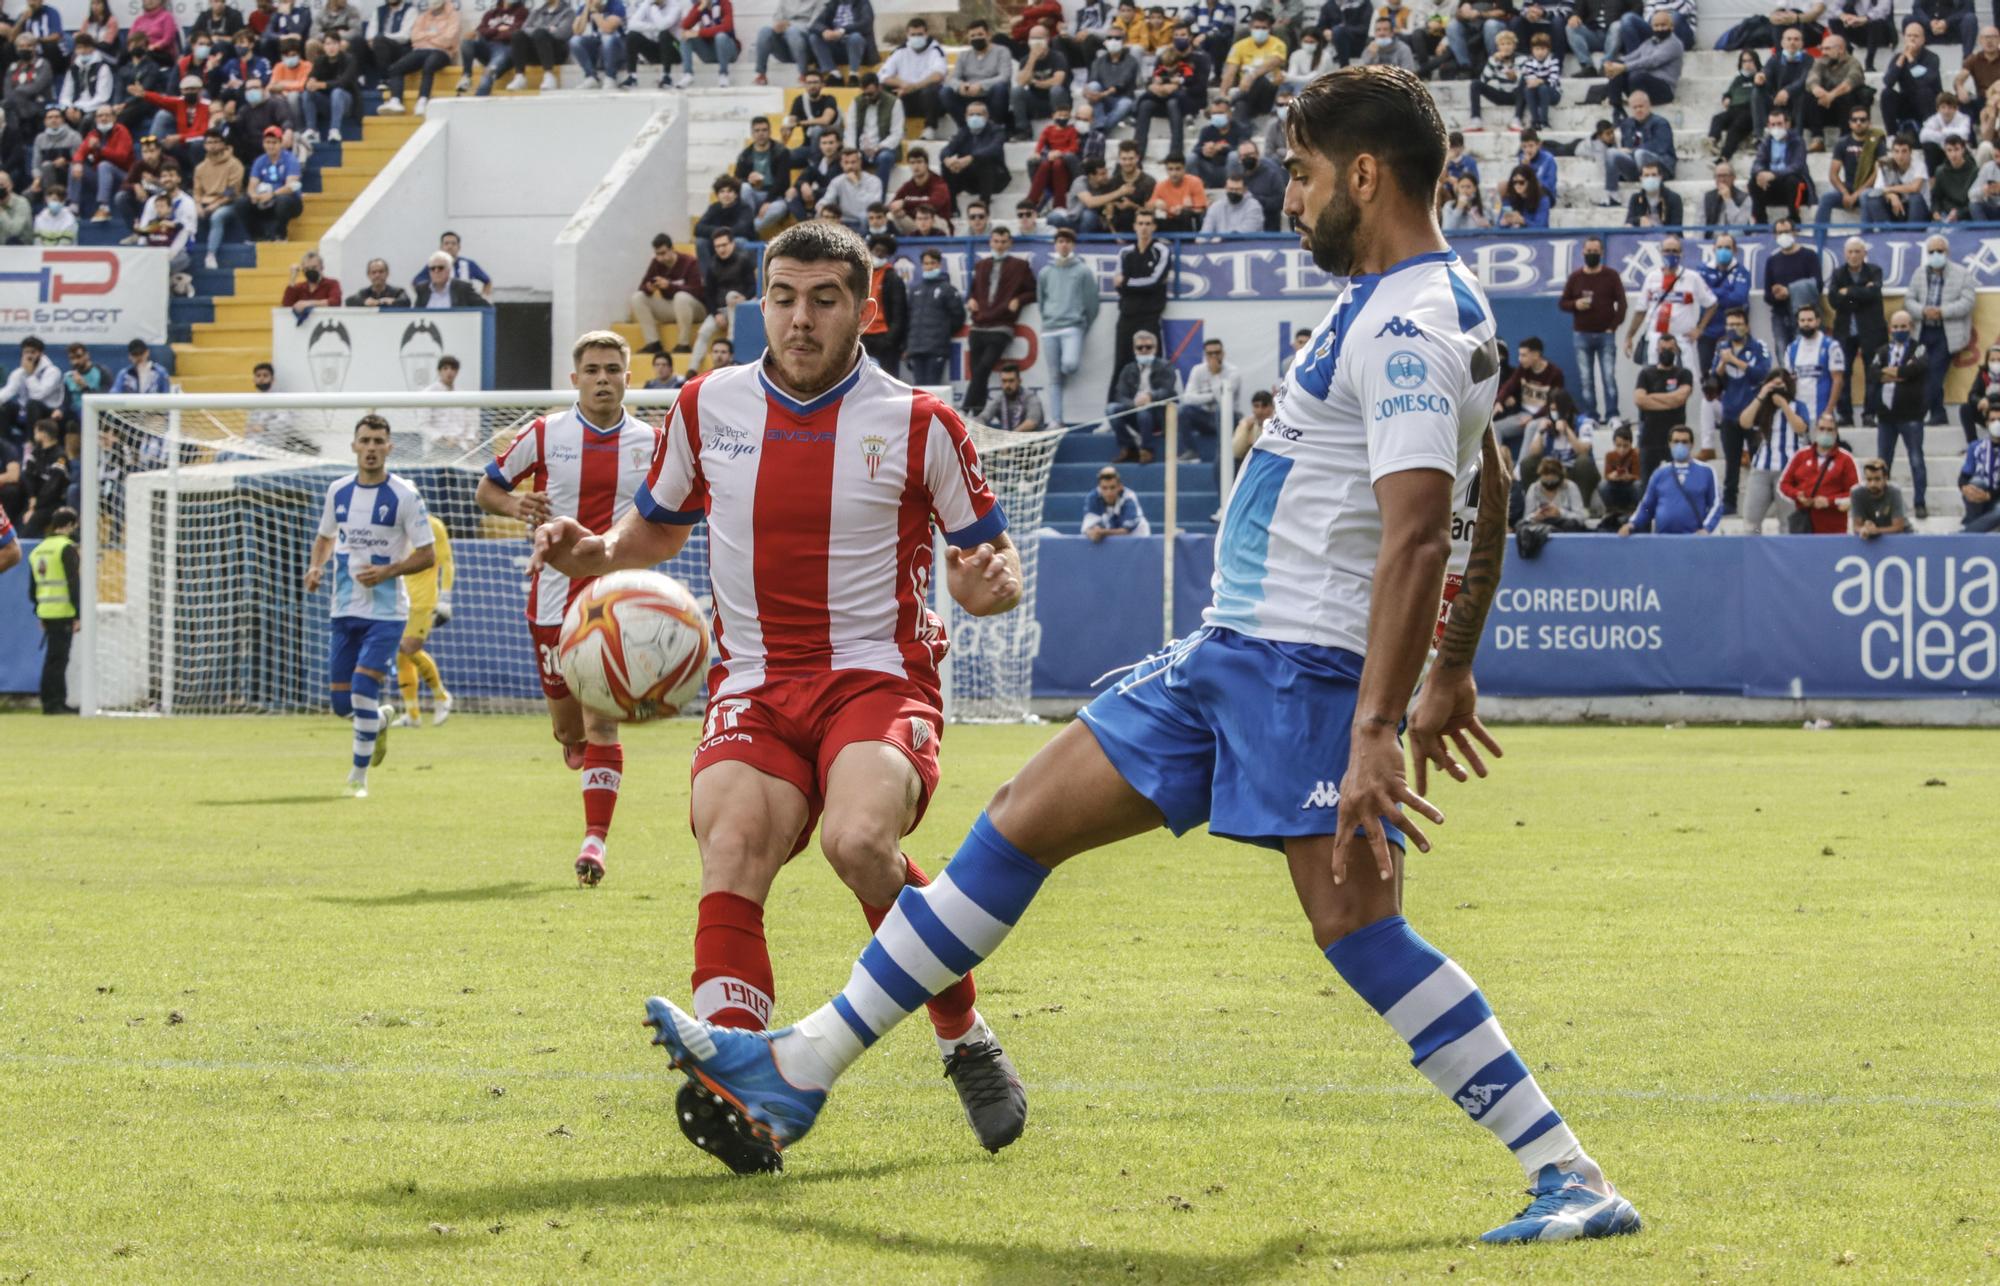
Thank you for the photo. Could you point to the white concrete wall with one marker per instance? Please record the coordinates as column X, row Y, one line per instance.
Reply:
column 507, row 174
column 601, row 253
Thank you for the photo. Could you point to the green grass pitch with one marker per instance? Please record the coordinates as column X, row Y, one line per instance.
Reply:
column 252, row 1031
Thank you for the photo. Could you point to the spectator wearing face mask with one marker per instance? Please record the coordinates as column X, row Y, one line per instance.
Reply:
column 1002, row 286
column 1662, row 396
column 1741, row 364
column 1680, row 494
column 884, row 337
column 1674, row 303
column 1067, row 289
column 1554, row 500
column 975, row 160
column 1941, row 297
column 1982, row 400
column 1642, row 136
column 1383, row 50
column 1567, row 437
column 1113, row 85
column 1054, row 162
column 937, row 311
column 1979, row 479
column 1233, row 211
column 310, row 287
column 1729, row 281
column 1903, row 366
column 1778, row 176
column 1594, row 296
column 1854, row 292
column 1654, row 205
column 1773, row 427
column 1791, row 281
column 1818, row 482
column 1875, row 508
column 1618, row 490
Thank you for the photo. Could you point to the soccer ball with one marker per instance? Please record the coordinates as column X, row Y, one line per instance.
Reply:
column 634, row 646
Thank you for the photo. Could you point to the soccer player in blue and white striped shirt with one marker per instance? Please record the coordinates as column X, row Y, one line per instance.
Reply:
column 1276, row 722
column 377, row 531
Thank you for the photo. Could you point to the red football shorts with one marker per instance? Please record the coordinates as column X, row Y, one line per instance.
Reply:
column 792, row 727
column 546, row 637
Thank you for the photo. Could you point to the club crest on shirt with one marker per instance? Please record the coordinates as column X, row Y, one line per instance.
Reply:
column 1406, row 370
column 872, row 448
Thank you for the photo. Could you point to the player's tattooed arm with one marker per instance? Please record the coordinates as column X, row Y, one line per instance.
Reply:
column 1467, row 622
column 1446, row 711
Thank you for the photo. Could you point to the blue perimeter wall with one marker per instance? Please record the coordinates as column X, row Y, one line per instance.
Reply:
column 1773, row 616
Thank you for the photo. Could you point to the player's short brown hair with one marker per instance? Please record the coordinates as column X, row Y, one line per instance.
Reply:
column 600, row 339
column 819, row 241
column 371, row 421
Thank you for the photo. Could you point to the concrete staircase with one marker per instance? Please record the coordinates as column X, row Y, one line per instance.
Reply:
column 226, row 328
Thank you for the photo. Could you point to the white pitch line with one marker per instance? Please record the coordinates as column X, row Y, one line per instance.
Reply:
column 1747, row 1098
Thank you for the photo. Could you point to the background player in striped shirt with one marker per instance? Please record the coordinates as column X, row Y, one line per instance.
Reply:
column 820, row 477
column 583, row 464
column 376, row 529
column 430, row 607
column 10, row 544
column 1277, row 723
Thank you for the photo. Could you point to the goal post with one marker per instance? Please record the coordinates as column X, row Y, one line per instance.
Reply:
column 199, row 512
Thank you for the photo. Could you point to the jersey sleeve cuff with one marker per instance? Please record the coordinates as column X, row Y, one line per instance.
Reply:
column 1442, row 463
column 499, row 479
column 653, row 511
column 979, row 532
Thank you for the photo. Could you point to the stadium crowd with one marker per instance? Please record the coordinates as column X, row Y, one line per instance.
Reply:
column 919, row 150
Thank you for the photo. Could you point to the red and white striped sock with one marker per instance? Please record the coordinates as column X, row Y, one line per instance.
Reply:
column 732, row 965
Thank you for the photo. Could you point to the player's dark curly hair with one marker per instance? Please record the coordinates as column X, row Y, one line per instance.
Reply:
column 823, row 241
column 1383, row 111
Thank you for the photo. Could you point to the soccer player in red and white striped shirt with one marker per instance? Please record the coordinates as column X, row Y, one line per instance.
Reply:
column 584, row 464
column 820, row 477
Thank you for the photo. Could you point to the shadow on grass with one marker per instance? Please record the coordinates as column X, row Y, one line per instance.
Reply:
column 1008, row 1260
column 266, row 801
column 478, row 1206
column 510, row 891
column 764, row 1200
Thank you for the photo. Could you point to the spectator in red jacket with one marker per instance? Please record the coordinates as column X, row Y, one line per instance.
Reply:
column 310, row 286
column 1055, row 160
column 180, row 119
column 1047, row 13
column 1820, row 477
column 105, row 152
column 1001, row 287
column 491, row 44
column 711, row 25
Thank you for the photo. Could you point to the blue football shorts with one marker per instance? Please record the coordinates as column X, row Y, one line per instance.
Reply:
column 1246, row 734
column 362, row 643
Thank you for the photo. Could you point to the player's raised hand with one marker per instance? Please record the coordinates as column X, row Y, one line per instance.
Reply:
column 555, row 542
column 532, row 507
column 1373, row 791
column 1444, row 715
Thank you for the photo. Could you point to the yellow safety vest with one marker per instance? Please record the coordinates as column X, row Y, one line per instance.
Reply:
column 52, row 601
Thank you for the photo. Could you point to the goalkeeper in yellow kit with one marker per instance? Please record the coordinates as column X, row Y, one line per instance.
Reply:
column 430, row 606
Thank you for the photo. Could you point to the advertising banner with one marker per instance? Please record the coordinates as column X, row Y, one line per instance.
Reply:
column 1776, row 616
column 87, row 295
column 369, row 350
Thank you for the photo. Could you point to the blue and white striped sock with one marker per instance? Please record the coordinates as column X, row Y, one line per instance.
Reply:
column 932, row 937
column 367, row 718
column 1455, row 1040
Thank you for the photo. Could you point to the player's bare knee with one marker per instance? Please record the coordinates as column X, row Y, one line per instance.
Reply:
column 868, row 859
column 740, row 856
column 599, row 731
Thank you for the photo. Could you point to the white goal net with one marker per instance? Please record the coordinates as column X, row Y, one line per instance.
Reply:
column 200, row 511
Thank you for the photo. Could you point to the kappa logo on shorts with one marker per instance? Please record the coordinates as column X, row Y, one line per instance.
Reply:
column 1325, row 794
column 920, row 733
